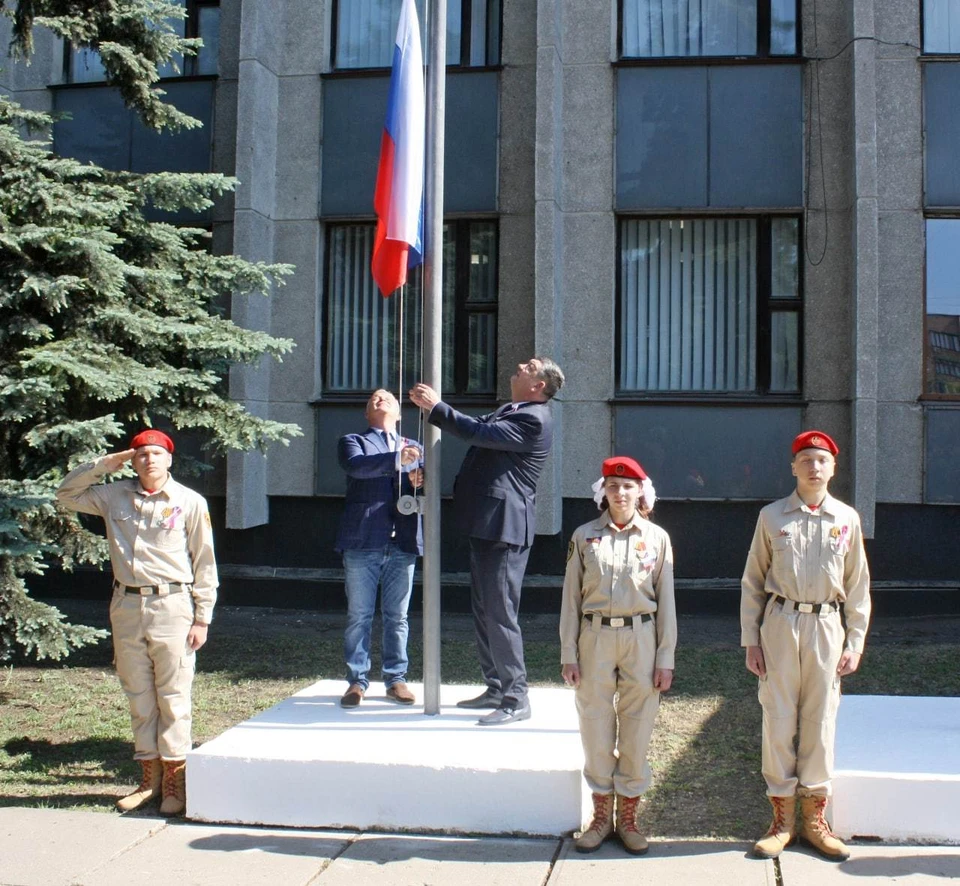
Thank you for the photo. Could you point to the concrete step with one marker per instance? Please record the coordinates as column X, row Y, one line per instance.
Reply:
column 307, row 762
column 898, row 768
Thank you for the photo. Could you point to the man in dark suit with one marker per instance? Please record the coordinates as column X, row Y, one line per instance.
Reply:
column 379, row 546
column 495, row 505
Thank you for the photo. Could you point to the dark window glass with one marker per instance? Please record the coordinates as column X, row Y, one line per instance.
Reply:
column 709, row 305
column 363, row 329
column 366, row 31
column 943, row 307
column 694, row 136
column 202, row 20
column 941, row 124
column 707, row 28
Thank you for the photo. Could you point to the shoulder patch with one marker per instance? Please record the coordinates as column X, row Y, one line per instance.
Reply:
column 570, row 549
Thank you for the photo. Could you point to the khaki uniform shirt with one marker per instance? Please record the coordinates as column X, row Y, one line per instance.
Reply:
column 809, row 557
column 163, row 538
column 618, row 572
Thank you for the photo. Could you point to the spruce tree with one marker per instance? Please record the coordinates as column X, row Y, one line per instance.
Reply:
column 108, row 321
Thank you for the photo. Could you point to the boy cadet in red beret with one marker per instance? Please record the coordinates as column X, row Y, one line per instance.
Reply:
column 618, row 633
column 805, row 563
column 164, row 590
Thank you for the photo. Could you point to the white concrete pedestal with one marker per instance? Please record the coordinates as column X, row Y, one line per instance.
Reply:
column 898, row 768
column 307, row 762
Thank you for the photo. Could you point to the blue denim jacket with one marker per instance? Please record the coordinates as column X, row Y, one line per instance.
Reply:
column 371, row 519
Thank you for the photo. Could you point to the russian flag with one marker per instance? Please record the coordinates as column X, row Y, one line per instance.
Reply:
column 398, row 199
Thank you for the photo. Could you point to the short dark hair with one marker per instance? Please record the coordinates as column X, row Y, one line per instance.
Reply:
column 551, row 374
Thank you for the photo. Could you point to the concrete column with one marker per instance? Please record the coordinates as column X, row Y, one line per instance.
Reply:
column 900, row 440
column 866, row 257
column 278, row 97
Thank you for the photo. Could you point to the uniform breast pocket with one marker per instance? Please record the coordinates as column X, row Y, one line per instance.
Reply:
column 123, row 524
column 833, row 561
column 782, row 549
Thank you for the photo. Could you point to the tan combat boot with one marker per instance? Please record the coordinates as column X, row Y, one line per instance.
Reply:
column 600, row 828
column 782, row 831
column 148, row 788
column 628, row 832
column 815, row 831
column 174, row 787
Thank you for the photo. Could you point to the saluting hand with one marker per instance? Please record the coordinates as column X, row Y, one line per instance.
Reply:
column 116, row 460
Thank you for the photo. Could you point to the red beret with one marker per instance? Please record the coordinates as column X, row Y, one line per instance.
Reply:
column 622, row 466
column 814, row 440
column 152, row 438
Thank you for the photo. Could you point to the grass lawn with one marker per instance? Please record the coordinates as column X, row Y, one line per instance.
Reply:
column 65, row 734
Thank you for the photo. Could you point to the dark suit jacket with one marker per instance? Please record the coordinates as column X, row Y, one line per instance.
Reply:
column 495, row 492
column 371, row 511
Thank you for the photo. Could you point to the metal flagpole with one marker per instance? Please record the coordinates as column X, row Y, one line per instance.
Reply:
column 432, row 307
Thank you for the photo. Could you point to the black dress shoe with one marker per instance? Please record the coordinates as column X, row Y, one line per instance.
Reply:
column 509, row 711
column 488, row 699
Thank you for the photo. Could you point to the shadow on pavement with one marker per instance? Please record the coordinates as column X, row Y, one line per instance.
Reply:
column 932, row 865
column 384, row 849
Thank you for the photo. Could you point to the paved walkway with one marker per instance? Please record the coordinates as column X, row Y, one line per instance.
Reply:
column 43, row 847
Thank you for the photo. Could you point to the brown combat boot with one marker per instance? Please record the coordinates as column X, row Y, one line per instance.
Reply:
column 600, row 828
column 628, row 832
column 816, row 833
column 148, row 788
column 782, row 831
column 174, row 787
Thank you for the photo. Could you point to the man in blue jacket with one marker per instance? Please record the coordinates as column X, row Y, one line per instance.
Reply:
column 495, row 497
column 379, row 546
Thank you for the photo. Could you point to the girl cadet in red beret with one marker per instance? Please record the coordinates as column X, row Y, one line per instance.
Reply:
column 618, row 633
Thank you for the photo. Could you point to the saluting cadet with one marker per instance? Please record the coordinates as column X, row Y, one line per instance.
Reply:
column 806, row 563
column 618, row 633
column 164, row 590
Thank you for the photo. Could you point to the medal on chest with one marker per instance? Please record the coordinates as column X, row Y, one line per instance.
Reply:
column 168, row 517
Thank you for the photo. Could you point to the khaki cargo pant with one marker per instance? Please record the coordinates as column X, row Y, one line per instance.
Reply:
column 800, row 696
column 617, row 662
column 155, row 668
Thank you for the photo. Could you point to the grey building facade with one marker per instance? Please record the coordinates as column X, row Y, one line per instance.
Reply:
column 727, row 220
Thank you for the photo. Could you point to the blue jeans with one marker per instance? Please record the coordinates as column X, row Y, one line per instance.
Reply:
column 391, row 570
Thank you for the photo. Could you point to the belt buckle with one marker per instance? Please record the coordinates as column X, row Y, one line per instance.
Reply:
column 804, row 607
column 145, row 591
column 617, row 622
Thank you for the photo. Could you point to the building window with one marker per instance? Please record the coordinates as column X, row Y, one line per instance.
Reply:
column 941, row 26
column 703, row 28
column 709, row 305
column 203, row 20
column 362, row 327
column 365, row 31
column 943, row 308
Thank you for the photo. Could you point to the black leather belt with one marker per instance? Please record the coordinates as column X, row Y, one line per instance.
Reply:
column 150, row 590
column 623, row 621
column 815, row 608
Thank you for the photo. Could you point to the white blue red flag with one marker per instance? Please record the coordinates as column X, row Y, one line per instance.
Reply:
column 398, row 199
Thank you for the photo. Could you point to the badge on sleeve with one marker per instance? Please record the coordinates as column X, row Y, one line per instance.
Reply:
column 570, row 549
